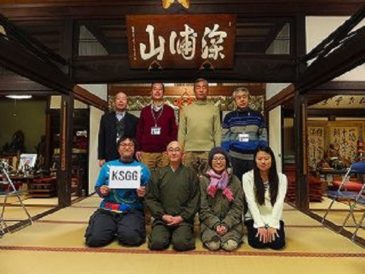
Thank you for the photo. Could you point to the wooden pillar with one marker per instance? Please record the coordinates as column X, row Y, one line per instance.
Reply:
column 300, row 121
column 300, row 140
column 47, row 159
column 66, row 132
column 64, row 175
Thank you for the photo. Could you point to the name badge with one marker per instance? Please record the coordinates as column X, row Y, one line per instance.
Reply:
column 155, row 130
column 243, row 137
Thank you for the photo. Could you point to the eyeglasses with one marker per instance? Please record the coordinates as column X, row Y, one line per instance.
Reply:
column 127, row 145
column 174, row 149
column 216, row 159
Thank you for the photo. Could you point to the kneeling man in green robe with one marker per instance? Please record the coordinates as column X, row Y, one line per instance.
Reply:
column 173, row 199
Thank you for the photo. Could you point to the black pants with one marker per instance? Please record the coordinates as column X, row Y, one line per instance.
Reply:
column 240, row 167
column 105, row 225
column 254, row 241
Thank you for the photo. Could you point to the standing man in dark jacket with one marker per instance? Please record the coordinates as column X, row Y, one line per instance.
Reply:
column 113, row 126
column 173, row 199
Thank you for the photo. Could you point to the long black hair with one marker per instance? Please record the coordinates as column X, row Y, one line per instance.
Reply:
column 273, row 178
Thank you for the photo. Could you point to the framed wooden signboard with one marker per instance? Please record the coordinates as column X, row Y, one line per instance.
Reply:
column 181, row 41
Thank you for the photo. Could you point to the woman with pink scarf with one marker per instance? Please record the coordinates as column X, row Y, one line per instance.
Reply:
column 221, row 204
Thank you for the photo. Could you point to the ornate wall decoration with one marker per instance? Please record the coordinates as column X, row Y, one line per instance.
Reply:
column 225, row 103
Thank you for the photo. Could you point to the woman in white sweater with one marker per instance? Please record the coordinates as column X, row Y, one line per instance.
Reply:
column 265, row 190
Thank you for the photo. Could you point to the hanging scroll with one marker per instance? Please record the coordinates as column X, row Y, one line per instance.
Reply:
column 316, row 143
column 345, row 137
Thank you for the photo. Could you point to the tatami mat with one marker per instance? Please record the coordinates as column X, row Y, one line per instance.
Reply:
column 55, row 244
column 89, row 263
column 326, row 202
column 18, row 213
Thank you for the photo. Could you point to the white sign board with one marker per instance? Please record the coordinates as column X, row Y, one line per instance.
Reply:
column 125, row 177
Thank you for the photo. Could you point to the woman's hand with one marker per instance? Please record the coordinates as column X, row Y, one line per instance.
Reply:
column 262, row 234
column 272, row 234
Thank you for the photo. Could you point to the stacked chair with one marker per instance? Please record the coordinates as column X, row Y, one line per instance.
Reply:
column 353, row 198
column 10, row 190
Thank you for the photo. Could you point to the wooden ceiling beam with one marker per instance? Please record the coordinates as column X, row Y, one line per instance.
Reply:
column 11, row 83
column 88, row 98
column 247, row 68
column 343, row 86
column 102, row 39
column 348, row 56
column 15, row 58
column 282, row 98
column 273, row 34
column 53, row 10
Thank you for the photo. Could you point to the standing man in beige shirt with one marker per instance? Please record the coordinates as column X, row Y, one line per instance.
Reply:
column 199, row 128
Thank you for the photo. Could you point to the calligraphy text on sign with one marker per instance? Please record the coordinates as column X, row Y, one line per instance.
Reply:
column 124, row 177
column 181, row 41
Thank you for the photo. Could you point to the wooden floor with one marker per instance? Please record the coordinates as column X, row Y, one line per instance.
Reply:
column 55, row 244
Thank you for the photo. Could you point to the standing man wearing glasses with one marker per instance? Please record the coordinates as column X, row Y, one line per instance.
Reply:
column 113, row 126
column 173, row 199
column 156, row 129
column 121, row 211
column 199, row 128
column 243, row 131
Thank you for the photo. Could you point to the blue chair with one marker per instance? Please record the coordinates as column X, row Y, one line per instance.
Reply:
column 353, row 198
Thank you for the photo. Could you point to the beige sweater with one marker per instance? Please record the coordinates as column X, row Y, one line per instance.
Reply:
column 199, row 127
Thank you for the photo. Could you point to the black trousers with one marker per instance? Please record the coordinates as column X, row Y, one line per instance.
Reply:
column 240, row 166
column 254, row 241
column 104, row 226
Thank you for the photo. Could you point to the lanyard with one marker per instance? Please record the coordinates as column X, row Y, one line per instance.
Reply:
column 158, row 116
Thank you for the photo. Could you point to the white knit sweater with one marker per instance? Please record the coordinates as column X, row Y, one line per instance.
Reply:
column 265, row 214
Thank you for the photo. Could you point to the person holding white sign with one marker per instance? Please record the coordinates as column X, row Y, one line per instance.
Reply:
column 173, row 199
column 243, row 130
column 121, row 184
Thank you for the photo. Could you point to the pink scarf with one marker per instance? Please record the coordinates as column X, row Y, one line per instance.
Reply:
column 219, row 181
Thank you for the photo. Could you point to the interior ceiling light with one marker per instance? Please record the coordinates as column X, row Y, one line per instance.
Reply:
column 19, row 97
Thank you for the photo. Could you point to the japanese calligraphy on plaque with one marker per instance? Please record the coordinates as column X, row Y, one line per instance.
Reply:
column 181, row 41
